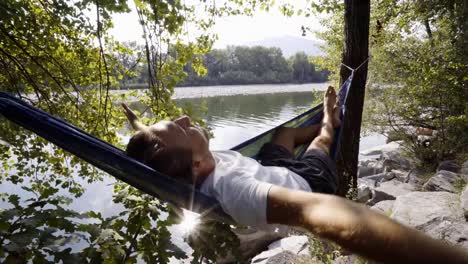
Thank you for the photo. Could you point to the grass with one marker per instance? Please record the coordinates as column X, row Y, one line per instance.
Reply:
column 459, row 185
column 325, row 252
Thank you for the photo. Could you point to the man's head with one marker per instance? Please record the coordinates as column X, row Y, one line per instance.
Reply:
column 176, row 148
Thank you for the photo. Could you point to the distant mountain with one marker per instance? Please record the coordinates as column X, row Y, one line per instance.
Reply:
column 290, row 45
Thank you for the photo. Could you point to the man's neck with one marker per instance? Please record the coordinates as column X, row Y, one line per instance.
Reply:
column 208, row 168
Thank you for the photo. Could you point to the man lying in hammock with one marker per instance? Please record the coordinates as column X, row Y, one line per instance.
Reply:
column 279, row 189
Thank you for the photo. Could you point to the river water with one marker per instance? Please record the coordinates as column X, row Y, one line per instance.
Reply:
column 237, row 117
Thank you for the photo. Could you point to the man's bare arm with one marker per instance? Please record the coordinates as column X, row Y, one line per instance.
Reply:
column 133, row 118
column 357, row 228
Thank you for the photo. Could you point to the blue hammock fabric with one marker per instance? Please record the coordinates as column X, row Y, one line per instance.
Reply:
column 114, row 161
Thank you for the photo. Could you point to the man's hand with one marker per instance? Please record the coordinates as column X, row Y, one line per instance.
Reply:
column 133, row 118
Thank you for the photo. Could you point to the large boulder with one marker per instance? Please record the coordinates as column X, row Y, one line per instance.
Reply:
column 394, row 188
column 464, row 201
column 392, row 146
column 418, row 208
column 287, row 250
column 389, row 191
column 385, row 207
column 369, row 167
column 445, row 181
column 448, row 229
column 389, row 158
column 449, row 165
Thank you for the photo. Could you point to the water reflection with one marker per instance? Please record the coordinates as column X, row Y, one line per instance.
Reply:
column 234, row 119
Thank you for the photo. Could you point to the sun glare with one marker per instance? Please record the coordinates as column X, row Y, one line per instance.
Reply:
column 190, row 221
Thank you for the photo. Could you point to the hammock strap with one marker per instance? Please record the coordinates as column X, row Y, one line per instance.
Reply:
column 357, row 68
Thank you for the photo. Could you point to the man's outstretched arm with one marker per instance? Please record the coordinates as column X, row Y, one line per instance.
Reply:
column 133, row 118
column 357, row 228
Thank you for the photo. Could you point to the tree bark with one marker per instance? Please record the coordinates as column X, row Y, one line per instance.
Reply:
column 355, row 51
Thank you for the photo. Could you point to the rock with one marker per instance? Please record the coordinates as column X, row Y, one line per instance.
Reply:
column 365, row 187
column 385, row 207
column 444, row 181
column 381, row 177
column 394, row 188
column 449, row 165
column 285, row 257
column 416, row 178
column 4, row 143
column 400, row 175
column 464, row 201
column 392, row 146
column 448, row 229
column 464, row 168
column 286, row 250
column 351, row 259
column 369, row 168
column 378, row 197
column 251, row 243
column 368, row 182
column 418, row 208
column 389, row 191
column 394, row 160
column 364, row 193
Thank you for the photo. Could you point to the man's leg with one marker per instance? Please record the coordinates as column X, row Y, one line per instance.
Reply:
column 330, row 119
column 290, row 137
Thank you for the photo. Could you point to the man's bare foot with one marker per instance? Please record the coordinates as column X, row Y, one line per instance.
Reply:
column 329, row 100
column 336, row 116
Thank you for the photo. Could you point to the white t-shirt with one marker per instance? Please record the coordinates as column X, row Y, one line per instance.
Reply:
column 241, row 185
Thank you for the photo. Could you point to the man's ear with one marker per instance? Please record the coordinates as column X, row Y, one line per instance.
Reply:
column 196, row 166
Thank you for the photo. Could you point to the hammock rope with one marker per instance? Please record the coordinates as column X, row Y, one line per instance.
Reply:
column 114, row 161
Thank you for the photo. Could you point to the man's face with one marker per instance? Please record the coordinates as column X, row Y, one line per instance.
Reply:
column 181, row 133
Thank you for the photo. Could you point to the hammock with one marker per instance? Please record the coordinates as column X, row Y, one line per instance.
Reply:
column 114, row 161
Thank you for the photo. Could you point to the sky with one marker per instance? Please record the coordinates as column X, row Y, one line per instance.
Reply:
column 234, row 30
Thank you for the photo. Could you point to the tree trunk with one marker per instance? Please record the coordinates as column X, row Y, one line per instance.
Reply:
column 355, row 51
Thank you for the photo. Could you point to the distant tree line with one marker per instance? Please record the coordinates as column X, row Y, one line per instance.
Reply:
column 255, row 65
column 244, row 65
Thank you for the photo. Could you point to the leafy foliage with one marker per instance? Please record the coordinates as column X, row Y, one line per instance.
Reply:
column 417, row 71
column 419, row 75
column 58, row 56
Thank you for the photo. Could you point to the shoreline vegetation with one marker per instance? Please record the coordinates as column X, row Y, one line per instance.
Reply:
column 234, row 65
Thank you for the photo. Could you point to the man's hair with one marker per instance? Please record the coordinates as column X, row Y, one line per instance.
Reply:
column 147, row 148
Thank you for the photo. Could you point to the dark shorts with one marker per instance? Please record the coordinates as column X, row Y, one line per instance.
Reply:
column 315, row 166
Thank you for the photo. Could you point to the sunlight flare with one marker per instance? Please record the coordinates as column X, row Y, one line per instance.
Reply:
column 190, row 221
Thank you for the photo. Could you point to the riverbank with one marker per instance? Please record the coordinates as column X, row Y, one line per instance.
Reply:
column 230, row 90
column 227, row 90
